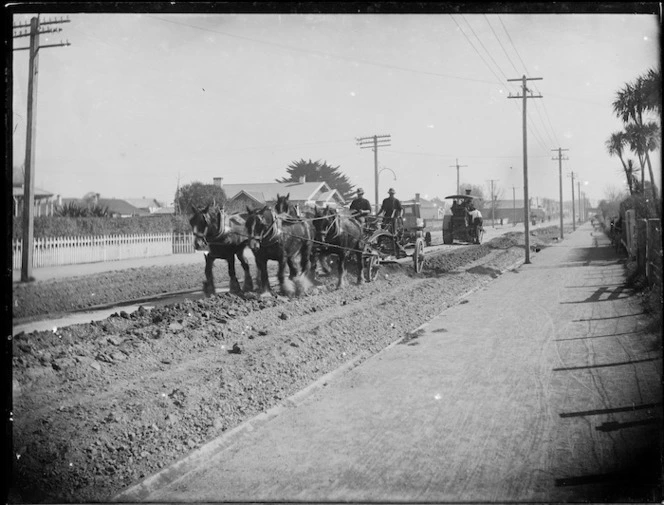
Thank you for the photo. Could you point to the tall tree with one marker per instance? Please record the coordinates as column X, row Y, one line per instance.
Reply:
column 199, row 195
column 317, row 171
column 616, row 144
column 652, row 86
column 644, row 139
column 632, row 102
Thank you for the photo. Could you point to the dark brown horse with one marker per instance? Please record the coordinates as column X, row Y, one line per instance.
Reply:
column 319, row 254
column 344, row 237
column 284, row 239
column 224, row 237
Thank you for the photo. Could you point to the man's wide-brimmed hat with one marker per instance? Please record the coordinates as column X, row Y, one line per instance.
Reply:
column 391, row 191
column 360, row 191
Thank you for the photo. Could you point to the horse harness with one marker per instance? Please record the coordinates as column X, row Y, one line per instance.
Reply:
column 221, row 219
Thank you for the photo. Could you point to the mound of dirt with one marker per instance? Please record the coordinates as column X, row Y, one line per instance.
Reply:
column 100, row 406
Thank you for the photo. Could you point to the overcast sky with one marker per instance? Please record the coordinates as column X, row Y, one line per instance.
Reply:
column 140, row 101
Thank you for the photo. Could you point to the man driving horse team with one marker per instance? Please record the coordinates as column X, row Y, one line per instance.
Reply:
column 360, row 207
column 391, row 209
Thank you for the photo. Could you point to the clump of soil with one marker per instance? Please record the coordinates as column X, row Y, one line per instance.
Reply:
column 100, row 406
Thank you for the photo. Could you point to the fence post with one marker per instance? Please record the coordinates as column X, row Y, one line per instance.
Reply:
column 641, row 237
column 654, row 250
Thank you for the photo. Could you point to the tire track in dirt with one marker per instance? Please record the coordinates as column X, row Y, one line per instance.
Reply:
column 100, row 423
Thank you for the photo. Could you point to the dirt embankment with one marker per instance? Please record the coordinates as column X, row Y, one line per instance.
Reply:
column 100, row 406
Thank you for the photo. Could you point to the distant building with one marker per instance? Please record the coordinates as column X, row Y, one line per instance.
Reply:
column 510, row 211
column 45, row 201
column 256, row 195
column 117, row 207
column 428, row 209
column 150, row 205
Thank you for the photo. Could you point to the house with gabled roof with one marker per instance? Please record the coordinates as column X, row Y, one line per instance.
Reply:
column 44, row 201
column 302, row 193
column 149, row 204
column 121, row 208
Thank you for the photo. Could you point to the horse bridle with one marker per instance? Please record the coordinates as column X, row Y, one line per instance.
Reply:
column 203, row 236
column 270, row 233
column 332, row 229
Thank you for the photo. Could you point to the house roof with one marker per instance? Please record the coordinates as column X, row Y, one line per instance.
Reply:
column 39, row 193
column 424, row 203
column 328, row 196
column 257, row 196
column 142, row 203
column 297, row 191
column 165, row 210
column 119, row 206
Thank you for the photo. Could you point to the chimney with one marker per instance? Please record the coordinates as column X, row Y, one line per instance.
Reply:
column 218, row 181
column 96, row 198
column 303, row 179
column 468, row 192
column 417, row 197
column 59, row 200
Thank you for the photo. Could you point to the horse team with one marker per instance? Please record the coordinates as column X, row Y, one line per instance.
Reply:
column 278, row 234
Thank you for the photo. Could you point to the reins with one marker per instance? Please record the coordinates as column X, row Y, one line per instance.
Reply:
column 271, row 233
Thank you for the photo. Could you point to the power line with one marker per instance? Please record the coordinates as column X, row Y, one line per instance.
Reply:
column 475, row 49
column 322, row 53
column 525, row 68
column 485, row 49
column 501, row 44
column 512, row 43
column 534, row 130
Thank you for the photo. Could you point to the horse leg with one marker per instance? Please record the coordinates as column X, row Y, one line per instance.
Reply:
column 248, row 283
column 234, row 285
column 360, row 274
column 285, row 284
column 341, row 270
column 263, row 282
column 307, row 273
column 208, row 284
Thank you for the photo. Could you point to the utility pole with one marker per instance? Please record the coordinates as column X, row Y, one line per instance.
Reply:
column 374, row 142
column 573, row 212
column 526, row 211
column 457, row 167
column 578, row 192
column 514, row 203
column 30, row 143
column 560, row 183
column 493, row 205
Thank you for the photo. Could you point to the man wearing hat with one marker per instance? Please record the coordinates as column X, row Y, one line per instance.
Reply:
column 391, row 207
column 360, row 207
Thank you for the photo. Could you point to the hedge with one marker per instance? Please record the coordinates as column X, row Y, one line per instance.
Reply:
column 56, row 226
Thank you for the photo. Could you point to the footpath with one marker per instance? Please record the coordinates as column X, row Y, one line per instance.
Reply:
column 82, row 269
column 543, row 386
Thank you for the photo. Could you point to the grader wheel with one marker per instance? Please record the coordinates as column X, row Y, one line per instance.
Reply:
column 418, row 256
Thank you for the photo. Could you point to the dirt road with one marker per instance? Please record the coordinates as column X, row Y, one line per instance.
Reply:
column 102, row 405
column 541, row 388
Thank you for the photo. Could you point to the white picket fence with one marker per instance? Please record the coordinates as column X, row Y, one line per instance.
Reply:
column 49, row 252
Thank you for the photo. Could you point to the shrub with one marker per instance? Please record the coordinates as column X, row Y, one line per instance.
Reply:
column 60, row 226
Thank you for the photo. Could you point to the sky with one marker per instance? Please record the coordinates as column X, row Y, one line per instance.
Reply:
column 139, row 103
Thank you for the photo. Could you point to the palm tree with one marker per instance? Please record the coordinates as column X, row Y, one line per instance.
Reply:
column 652, row 86
column 631, row 103
column 616, row 147
column 644, row 139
